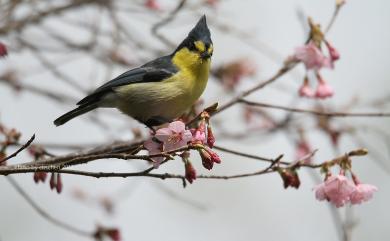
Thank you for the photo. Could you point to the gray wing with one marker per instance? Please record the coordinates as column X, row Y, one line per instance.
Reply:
column 154, row 71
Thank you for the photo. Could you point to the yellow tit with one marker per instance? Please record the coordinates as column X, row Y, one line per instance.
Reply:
column 158, row 91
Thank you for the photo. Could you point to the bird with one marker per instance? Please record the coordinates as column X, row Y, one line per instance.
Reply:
column 159, row 91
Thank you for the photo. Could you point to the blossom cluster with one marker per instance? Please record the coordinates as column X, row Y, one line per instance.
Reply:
column 339, row 190
column 312, row 56
column 176, row 137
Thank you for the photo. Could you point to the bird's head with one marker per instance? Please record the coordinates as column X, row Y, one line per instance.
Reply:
column 197, row 47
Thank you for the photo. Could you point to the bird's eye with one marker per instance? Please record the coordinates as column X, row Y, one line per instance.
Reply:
column 191, row 46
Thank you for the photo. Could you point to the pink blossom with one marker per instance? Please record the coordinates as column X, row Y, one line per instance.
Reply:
column 174, row 136
column 363, row 193
column 152, row 5
column 311, row 56
column 154, row 148
column 324, row 90
column 199, row 134
column 3, row 50
column 167, row 139
column 306, row 91
column 336, row 189
column 320, row 192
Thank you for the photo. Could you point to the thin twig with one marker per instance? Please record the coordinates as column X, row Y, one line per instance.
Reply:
column 165, row 21
column 285, row 69
column 333, row 19
column 19, row 150
column 237, row 153
column 315, row 112
column 46, row 215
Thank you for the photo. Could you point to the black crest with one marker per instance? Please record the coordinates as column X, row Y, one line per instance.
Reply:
column 199, row 32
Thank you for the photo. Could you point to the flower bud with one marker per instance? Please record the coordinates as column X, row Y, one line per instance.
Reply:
column 52, row 181
column 290, row 178
column 207, row 162
column 152, row 5
column 210, row 137
column 190, row 174
column 359, row 152
column 214, row 156
column 40, row 177
column 59, row 183
column 114, row 234
column 333, row 52
column 3, row 50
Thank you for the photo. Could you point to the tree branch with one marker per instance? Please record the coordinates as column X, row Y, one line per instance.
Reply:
column 315, row 112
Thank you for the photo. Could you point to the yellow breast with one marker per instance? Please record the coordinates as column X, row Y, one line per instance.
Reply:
column 193, row 73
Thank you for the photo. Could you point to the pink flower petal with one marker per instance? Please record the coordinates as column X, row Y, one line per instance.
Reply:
column 187, row 136
column 154, row 148
column 324, row 91
column 163, row 134
column 177, row 126
column 336, row 189
column 306, row 91
column 363, row 193
column 311, row 56
column 320, row 192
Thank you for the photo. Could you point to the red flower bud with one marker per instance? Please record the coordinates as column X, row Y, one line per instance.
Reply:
column 206, row 159
column 290, row 178
column 214, row 157
column 333, row 53
column 3, row 50
column 152, row 5
column 40, row 177
column 209, row 158
column 114, row 234
column 52, row 181
column 190, row 172
column 210, row 137
column 59, row 183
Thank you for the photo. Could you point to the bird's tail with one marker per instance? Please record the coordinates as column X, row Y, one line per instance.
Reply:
column 82, row 109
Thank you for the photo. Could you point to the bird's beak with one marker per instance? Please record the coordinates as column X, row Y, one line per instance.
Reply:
column 205, row 55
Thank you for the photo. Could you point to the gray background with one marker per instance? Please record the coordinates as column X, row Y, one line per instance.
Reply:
column 256, row 208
